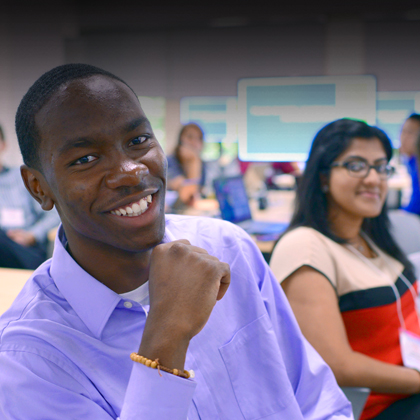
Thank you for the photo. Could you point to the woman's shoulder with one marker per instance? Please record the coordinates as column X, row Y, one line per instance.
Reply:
column 302, row 236
column 303, row 246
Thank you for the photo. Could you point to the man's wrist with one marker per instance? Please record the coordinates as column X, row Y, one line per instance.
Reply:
column 169, row 346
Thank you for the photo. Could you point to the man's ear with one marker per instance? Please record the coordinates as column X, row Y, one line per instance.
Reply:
column 37, row 186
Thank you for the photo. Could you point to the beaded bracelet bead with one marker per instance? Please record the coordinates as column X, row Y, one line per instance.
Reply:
column 154, row 364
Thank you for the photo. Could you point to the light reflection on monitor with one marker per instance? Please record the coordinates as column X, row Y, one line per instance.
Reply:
column 393, row 108
column 155, row 109
column 216, row 115
column 279, row 117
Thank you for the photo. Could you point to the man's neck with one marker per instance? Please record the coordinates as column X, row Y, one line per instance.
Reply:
column 119, row 270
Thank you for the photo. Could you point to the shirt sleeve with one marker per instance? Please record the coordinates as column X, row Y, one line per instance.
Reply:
column 316, row 390
column 300, row 247
column 161, row 397
column 49, row 389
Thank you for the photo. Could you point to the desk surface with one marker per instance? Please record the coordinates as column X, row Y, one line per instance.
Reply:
column 11, row 283
column 279, row 209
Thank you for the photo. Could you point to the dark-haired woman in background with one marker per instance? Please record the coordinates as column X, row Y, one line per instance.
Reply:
column 185, row 167
column 350, row 286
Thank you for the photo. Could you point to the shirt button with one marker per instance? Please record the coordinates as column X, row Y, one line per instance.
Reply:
column 127, row 304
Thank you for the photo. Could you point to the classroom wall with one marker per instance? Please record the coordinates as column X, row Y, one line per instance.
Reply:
column 204, row 62
column 28, row 48
column 209, row 61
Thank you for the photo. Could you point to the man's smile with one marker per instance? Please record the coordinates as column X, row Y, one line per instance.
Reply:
column 135, row 208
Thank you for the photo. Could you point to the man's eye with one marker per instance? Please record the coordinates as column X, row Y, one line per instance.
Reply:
column 356, row 166
column 84, row 159
column 139, row 140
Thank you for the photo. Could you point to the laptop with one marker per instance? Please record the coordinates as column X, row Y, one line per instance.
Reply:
column 234, row 207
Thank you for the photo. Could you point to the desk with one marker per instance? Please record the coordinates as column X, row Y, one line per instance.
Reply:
column 11, row 283
column 279, row 209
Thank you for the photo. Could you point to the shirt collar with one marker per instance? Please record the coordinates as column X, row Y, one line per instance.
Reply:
column 91, row 300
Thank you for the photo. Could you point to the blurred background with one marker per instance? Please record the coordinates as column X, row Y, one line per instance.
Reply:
column 173, row 54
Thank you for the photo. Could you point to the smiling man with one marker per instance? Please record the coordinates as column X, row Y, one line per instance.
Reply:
column 126, row 280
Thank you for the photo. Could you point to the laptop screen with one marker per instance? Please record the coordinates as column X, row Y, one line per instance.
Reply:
column 233, row 200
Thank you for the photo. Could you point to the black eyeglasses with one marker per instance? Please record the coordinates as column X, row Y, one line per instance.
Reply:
column 361, row 168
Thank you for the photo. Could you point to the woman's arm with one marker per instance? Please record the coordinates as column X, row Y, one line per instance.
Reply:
column 315, row 306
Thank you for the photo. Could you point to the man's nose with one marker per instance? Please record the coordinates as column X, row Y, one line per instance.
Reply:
column 125, row 172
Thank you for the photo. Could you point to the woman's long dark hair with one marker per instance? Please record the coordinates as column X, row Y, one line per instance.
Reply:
column 311, row 207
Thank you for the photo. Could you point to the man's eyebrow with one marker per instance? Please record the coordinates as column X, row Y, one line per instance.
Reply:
column 78, row 143
column 132, row 125
column 84, row 142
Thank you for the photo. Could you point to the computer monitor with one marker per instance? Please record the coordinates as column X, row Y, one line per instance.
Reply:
column 393, row 108
column 216, row 115
column 279, row 117
column 155, row 109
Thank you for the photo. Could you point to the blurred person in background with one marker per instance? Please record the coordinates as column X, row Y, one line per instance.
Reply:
column 24, row 226
column 409, row 134
column 186, row 172
column 350, row 286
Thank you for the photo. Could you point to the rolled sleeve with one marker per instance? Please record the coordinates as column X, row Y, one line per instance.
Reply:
column 39, row 387
column 155, row 396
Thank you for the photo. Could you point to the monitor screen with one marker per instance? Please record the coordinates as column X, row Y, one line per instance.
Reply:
column 392, row 110
column 155, row 109
column 279, row 117
column 216, row 115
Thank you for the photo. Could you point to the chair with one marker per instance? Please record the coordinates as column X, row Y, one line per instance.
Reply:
column 415, row 260
column 357, row 397
column 405, row 228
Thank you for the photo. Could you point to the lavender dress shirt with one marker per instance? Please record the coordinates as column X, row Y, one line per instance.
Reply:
column 65, row 347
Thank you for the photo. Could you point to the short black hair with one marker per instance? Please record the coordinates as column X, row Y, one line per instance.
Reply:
column 37, row 96
column 2, row 134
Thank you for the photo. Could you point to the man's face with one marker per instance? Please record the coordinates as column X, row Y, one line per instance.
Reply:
column 409, row 134
column 105, row 170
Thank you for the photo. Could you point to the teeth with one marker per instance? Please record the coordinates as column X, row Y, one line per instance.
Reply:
column 142, row 206
column 135, row 209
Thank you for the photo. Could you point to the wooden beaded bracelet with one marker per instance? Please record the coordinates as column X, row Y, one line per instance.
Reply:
column 154, row 364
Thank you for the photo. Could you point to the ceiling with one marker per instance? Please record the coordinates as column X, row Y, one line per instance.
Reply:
column 128, row 15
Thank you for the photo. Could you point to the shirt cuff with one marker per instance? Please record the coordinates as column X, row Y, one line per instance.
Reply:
column 154, row 397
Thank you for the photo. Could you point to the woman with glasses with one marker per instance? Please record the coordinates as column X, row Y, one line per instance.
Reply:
column 351, row 288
